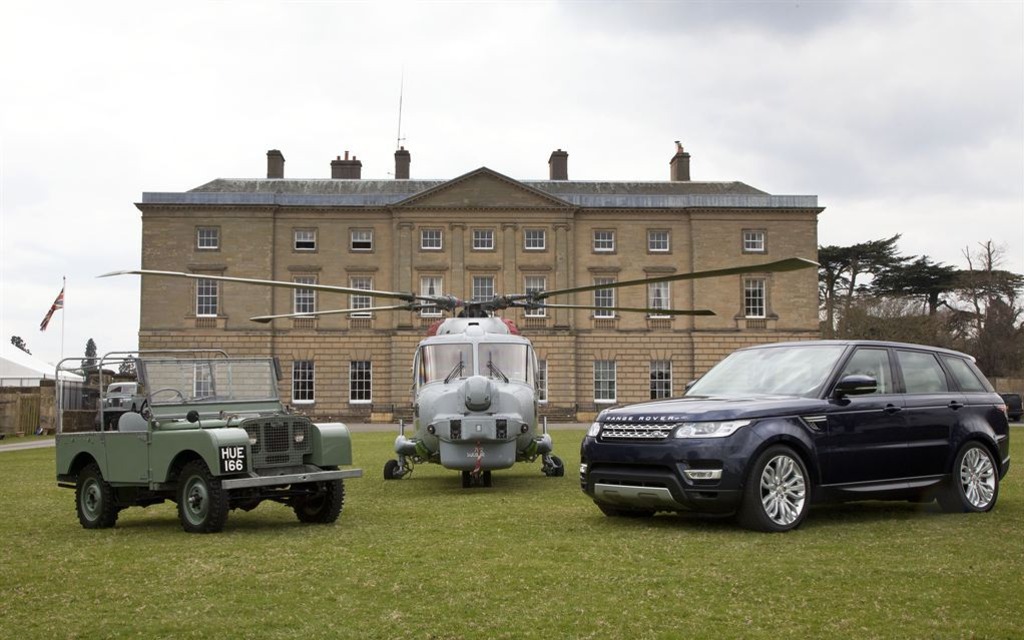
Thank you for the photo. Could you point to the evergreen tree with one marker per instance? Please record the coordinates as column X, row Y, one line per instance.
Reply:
column 89, row 362
column 18, row 342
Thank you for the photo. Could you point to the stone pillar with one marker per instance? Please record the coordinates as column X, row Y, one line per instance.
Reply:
column 563, row 279
column 508, row 259
column 457, row 239
column 403, row 269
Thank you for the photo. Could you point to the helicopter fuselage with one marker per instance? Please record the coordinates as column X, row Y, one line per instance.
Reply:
column 475, row 398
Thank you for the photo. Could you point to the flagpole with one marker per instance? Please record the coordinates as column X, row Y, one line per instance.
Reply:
column 64, row 283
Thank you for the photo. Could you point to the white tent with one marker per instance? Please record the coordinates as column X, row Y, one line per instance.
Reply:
column 20, row 369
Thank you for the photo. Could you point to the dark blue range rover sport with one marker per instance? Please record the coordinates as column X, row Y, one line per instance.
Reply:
column 773, row 428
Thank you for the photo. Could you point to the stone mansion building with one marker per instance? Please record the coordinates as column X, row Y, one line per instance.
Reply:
column 474, row 236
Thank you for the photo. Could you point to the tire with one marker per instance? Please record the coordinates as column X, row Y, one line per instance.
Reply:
column 973, row 485
column 776, row 495
column 486, row 478
column 390, row 467
column 618, row 512
column 202, row 502
column 325, row 506
column 467, row 480
column 558, row 468
column 94, row 499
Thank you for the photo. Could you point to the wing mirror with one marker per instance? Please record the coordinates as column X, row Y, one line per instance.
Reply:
column 855, row 385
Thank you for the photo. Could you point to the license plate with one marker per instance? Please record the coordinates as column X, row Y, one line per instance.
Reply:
column 232, row 459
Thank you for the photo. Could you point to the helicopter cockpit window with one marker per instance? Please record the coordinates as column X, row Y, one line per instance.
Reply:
column 506, row 362
column 445, row 362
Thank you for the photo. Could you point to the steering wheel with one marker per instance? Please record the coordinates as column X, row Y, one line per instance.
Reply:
column 180, row 395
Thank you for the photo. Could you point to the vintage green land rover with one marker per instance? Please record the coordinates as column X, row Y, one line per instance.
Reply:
column 211, row 435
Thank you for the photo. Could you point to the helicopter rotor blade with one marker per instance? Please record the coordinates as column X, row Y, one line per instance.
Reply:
column 312, row 314
column 408, row 297
column 648, row 310
column 789, row 264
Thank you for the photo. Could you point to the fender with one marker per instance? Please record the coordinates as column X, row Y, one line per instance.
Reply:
column 77, row 445
column 977, row 428
column 332, row 445
column 206, row 443
column 789, row 431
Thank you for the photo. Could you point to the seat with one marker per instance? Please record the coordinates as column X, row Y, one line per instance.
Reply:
column 132, row 422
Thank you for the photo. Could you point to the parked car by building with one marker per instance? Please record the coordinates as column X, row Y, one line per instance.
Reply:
column 1014, row 408
column 772, row 429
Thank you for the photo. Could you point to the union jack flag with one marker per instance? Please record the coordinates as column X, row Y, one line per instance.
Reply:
column 57, row 304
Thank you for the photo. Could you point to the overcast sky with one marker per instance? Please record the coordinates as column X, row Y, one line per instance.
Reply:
column 901, row 117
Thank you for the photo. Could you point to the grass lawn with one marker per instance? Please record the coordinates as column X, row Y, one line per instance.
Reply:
column 530, row 557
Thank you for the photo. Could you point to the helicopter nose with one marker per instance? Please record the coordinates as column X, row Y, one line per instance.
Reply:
column 478, row 393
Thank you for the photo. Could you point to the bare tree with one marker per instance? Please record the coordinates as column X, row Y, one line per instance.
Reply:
column 989, row 322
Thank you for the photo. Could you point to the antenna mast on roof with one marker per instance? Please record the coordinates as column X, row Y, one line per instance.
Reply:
column 401, row 90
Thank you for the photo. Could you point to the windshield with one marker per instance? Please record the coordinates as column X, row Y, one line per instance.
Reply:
column 179, row 381
column 796, row 371
column 506, row 362
column 444, row 362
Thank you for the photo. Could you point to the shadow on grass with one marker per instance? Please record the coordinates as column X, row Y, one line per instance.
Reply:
column 823, row 516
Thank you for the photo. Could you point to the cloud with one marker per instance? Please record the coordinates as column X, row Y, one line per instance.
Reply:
column 901, row 117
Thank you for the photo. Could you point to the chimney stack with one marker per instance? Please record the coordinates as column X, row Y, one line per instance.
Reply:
column 679, row 165
column 346, row 169
column 275, row 164
column 558, row 165
column 402, row 160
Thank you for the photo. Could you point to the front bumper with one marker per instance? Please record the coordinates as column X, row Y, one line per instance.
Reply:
column 255, row 480
column 703, row 475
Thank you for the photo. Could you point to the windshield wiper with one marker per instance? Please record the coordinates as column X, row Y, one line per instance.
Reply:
column 455, row 372
column 493, row 368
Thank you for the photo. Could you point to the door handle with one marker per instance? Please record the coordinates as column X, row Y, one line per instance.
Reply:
column 954, row 405
column 891, row 408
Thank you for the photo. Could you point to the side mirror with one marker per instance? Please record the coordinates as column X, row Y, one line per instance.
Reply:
column 855, row 385
column 192, row 416
column 688, row 385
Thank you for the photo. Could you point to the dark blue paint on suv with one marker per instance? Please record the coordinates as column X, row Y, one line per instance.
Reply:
column 773, row 428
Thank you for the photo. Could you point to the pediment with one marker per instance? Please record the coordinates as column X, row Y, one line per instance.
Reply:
column 483, row 189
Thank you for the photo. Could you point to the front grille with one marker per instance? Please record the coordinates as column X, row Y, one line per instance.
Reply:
column 280, row 441
column 636, row 431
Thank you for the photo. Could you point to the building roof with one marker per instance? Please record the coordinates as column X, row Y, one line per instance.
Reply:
column 382, row 193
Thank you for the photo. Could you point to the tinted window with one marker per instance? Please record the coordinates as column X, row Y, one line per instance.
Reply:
column 921, row 372
column 790, row 370
column 871, row 362
column 963, row 375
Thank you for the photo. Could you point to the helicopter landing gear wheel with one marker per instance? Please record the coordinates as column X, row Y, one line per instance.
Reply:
column 396, row 469
column 467, row 480
column 553, row 467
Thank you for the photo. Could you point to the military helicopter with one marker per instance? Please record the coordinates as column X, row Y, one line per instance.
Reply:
column 474, row 375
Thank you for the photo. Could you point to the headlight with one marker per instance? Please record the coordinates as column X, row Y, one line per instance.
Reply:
column 709, row 429
column 594, row 430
